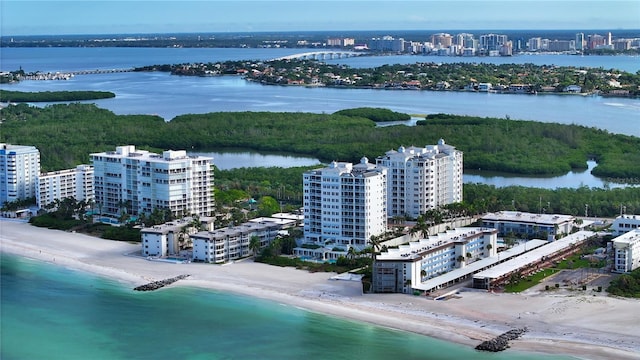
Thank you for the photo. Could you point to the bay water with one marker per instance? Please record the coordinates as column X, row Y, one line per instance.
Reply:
column 51, row 312
column 168, row 96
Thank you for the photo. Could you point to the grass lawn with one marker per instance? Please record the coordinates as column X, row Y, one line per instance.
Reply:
column 529, row 281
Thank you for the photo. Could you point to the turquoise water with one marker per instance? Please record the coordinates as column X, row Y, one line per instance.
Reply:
column 50, row 312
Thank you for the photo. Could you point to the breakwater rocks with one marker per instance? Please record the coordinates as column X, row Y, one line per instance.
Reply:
column 159, row 284
column 501, row 342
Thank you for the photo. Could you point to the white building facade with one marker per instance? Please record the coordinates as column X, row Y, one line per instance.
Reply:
column 232, row 243
column 625, row 223
column 528, row 224
column 58, row 185
column 420, row 179
column 345, row 204
column 168, row 239
column 404, row 268
column 626, row 252
column 19, row 170
column 142, row 181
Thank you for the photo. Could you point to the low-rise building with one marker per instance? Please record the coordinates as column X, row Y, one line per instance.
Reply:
column 531, row 261
column 625, row 223
column 528, row 224
column 626, row 251
column 406, row 267
column 232, row 243
column 168, row 239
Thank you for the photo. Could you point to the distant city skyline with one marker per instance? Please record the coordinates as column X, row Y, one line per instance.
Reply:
column 51, row 17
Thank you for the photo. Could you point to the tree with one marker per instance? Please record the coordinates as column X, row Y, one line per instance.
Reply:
column 254, row 245
column 267, row 206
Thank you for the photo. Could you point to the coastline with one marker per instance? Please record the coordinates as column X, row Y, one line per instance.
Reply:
column 590, row 327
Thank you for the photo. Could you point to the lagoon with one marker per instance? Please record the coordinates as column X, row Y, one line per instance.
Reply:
column 227, row 160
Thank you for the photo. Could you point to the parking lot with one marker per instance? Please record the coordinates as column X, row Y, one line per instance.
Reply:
column 592, row 278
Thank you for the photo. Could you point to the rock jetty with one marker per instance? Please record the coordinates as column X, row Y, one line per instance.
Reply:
column 159, row 284
column 501, row 342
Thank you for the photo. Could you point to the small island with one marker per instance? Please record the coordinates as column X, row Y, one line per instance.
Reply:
column 53, row 96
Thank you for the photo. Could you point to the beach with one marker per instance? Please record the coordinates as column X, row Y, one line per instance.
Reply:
column 572, row 323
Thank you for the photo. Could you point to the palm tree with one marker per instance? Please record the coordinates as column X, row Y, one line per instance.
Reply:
column 375, row 246
column 183, row 236
column 254, row 245
column 351, row 253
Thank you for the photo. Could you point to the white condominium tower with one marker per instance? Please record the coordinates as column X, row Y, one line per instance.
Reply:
column 58, row 185
column 420, row 179
column 141, row 181
column 19, row 170
column 345, row 204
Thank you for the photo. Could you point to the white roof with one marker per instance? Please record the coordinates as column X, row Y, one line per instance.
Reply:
column 534, row 255
column 518, row 216
column 478, row 265
column 628, row 237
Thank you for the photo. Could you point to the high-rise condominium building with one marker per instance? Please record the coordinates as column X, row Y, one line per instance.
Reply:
column 420, row 179
column 492, row 42
column 345, row 204
column 580, row 41
column 58, row 185
column 19, row 170
column 140, row 181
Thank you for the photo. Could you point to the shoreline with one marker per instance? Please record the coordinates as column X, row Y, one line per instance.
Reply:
column 590, row 327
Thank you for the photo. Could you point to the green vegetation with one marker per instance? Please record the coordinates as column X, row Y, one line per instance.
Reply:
column 626, row 285
column 80, row 129
column 374, row 114
column 51, row 96
column 521, row 284
column 18, row 204
column 522, row 147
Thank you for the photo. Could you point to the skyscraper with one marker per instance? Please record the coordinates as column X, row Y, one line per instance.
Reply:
column 580, row 41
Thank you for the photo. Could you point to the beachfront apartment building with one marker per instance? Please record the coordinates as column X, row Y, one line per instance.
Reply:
column 626, row 251
column 625, row 223
column 528, row 224
column 419, row 179
column 19, row 170
column 233, row 242
column 140, row 181
column 344, row 205
column 172, row 237
column 401, row 269
column 57, row 185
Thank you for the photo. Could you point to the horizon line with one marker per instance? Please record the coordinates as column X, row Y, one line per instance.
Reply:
column 309, row 31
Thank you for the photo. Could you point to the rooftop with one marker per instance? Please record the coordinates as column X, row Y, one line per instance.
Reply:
column 479, row 265
column 535, row 255
column 518, row 216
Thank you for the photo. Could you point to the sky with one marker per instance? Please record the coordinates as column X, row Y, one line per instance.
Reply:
column 50, row 17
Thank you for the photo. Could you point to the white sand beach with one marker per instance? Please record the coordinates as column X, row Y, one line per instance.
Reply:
column 576, row 324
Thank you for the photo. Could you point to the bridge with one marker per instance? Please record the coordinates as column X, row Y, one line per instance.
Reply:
column 99, row 71
column 321, row 55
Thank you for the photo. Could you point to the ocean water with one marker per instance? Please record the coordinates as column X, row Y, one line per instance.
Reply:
column 50, row 312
